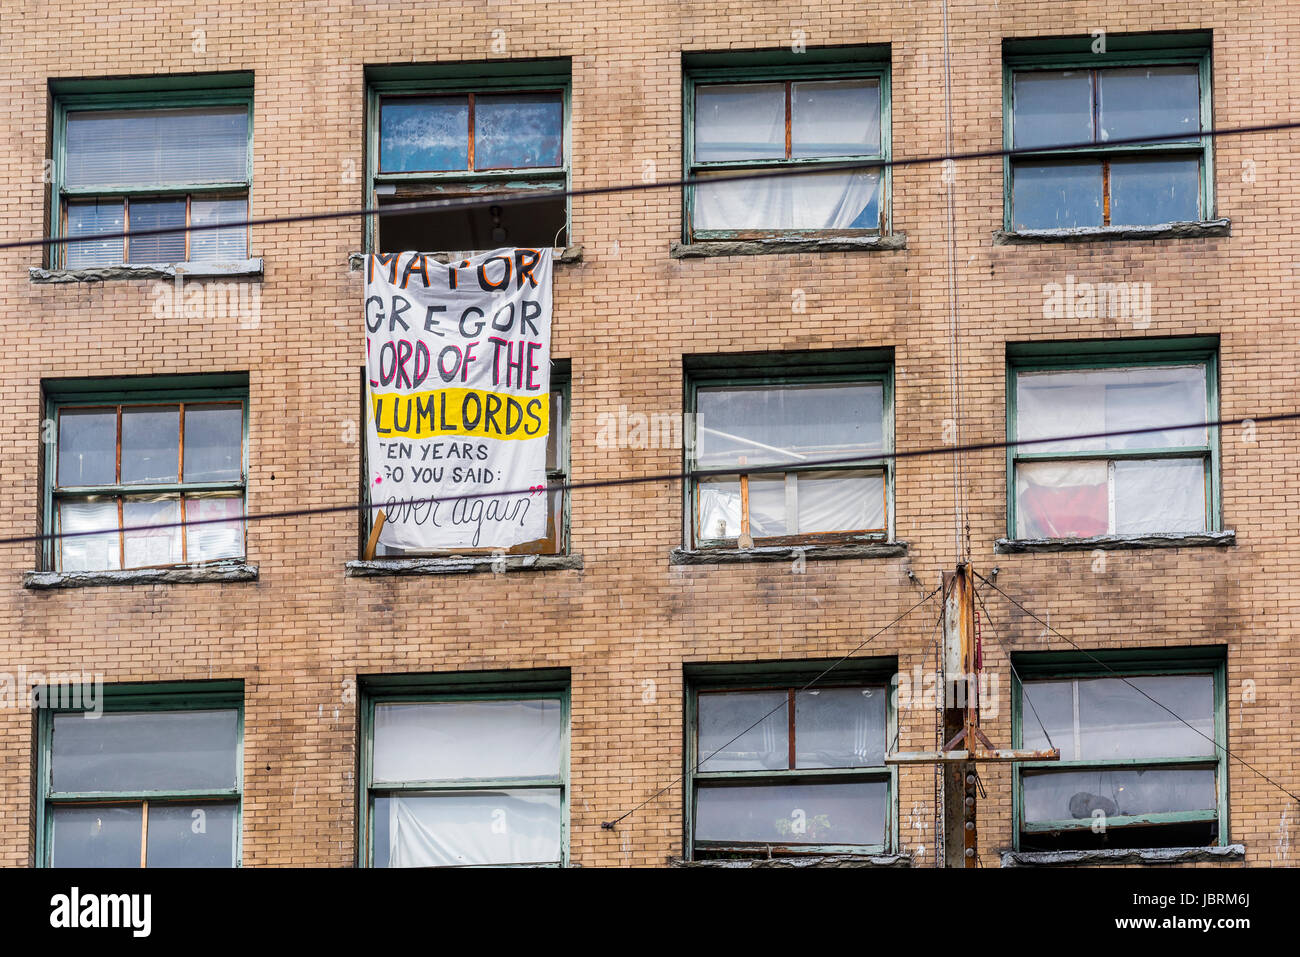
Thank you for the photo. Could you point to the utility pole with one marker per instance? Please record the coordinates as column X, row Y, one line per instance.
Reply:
column 965, row 745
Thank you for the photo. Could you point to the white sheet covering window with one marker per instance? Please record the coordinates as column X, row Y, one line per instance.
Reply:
column 811, row 201
column 465, row 828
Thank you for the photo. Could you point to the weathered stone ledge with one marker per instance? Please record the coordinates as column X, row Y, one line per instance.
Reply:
column 803, row 861
column 462, row 565
column 785, row 553
column 1086, row 234
column 1014, row 546
column 706, row 249
column 224, row 572
column 1143, row 855
column 243, row 269
column 567, row 254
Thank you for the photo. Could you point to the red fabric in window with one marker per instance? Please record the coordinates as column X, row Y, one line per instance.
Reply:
column 1079, row 511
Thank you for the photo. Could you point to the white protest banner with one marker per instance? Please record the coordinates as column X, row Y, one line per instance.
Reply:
column 458, row 372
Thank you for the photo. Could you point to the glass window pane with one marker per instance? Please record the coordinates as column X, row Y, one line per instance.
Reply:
column 1152, row 191
column 191, row 835
column 767, row 506
column 788, row 425
column 87, row 447
column 724, row 715
column 1159, row 495
column 157, row 536
column 719, row 507
column 468, row 740
column 1051, row 108
column 157, row 214
column 107, row 836
column 1062, row 499
column 90, row 219
column 1117, row 720
column 835, row 118
column 739, row 121
column 1150, row 101
column 1075, row 795
column 850, row 501
column 215, row 539
column 85, row 552
column 808, row 201
column 214, row 443
column 1056, row 195
column 219, row 245
column 1052, row 404
column 424, row 133
column 462, row 828
column 157, row 147
column 151, row 444
column 518, row 130
column 840, row 813
column 555, row 438
column 145, row 751
column 839, row 727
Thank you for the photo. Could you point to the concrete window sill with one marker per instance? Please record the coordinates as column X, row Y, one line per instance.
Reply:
column 560, row 255
column 1015, row 546
column 1231, row 853
column 223, row 572
column 1087, row 234
column 462, row 565
column 811, row 860
column 706, row 249
column 243, row 269
column 785, row 553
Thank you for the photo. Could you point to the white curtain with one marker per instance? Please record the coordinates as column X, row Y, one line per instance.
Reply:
column 814, row 201
column 474, row 827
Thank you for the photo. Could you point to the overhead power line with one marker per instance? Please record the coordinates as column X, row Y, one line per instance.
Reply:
column 533, row 196
column 859, row 460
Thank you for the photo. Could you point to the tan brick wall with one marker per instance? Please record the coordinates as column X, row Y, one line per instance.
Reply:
column 625, row 316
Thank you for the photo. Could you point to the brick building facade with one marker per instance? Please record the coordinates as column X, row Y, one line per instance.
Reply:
column 641, row 612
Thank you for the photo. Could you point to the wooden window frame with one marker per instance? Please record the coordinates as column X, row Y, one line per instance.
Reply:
column 871, row 66
column 789, row 677
column 877, row 373
column 468, row 686
column 1111, row 663
column 174, row 698
column 1118, row 354
column 462, row 184
column 103, row 396
column 61, row 195
column 1200, row 146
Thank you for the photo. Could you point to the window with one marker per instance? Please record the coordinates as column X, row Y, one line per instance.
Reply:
column 1084, row 98
column 153, row 160
column 153, row 781
column 471, row 771
column 1147, row 483
column 129, row 455
column 785, row 414
column 1151, row 779
column 773, row 768
column 794, row 112
column 446, row 134
column 556, row 541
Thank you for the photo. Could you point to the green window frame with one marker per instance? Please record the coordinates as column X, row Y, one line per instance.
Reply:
column 771, row 678
column 869, row 63
column 1031, row 667
column 176, row 698
column 65, row 395
column 1075, row 54
column 155, row 94
column 463, row 687
column 778, row 370
column 558, row 472
column 394, row 83
column 1116, row 355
